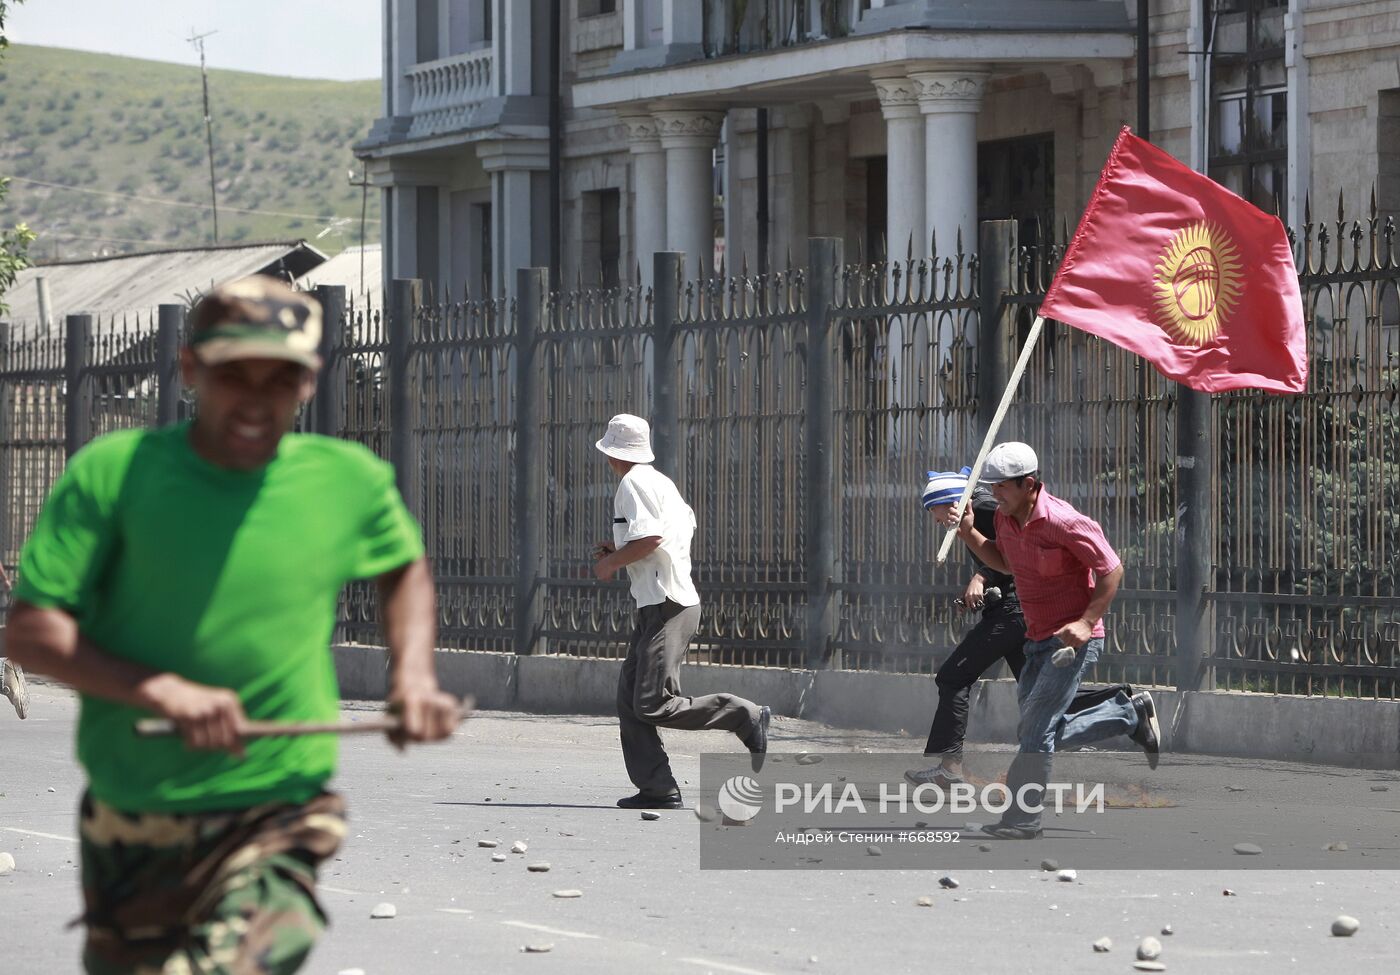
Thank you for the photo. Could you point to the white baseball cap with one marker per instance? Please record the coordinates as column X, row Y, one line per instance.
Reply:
column 1009, row 460
column 628, row 438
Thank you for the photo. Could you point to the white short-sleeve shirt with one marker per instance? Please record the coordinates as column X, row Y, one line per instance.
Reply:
column 648, row 504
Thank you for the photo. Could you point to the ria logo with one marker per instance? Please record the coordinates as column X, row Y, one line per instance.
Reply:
column 740, row 798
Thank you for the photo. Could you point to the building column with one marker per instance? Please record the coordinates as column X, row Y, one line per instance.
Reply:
column 688, row 137
column 950, row 101
column 519, row 209
column 648, row 194
column 791, row 164
column 904, row 163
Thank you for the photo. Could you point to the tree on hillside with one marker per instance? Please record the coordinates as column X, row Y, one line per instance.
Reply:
column 14, row 242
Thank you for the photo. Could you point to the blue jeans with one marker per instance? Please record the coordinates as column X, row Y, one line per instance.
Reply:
column 1044, row 691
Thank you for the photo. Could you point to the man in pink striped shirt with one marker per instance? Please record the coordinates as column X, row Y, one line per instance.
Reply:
column 1066, row 575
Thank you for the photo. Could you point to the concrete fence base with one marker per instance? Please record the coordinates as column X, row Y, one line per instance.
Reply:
column 1327, row 731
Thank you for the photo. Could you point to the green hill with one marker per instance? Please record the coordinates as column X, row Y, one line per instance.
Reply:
column 134, row 128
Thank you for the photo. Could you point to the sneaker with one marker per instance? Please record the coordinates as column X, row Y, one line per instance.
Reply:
column 1147, row 734
column 1000, row 832
column 938, row 775
column 15, row 687
column 643, row 800
column 757, row 742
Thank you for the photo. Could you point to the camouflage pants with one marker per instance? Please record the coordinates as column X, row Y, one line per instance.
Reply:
column 219, row 893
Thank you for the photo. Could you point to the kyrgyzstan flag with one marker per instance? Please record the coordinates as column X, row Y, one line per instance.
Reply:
column 1171, row 265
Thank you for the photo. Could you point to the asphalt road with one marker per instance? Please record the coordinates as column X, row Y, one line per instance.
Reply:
column 551, row 781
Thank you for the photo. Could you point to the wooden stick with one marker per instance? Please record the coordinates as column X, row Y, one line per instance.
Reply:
column 1031, row 338
column 165, row 728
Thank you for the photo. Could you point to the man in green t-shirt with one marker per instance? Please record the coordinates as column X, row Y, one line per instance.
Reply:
column 193, row 573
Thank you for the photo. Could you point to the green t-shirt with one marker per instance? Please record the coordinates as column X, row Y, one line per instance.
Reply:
column 226, row 578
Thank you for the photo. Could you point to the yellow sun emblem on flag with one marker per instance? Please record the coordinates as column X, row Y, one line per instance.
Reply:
column 1197, row 283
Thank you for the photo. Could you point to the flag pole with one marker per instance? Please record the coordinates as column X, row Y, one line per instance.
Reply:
column 1006, row 397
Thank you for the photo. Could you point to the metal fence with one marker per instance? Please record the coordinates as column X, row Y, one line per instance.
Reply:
column 798, row 411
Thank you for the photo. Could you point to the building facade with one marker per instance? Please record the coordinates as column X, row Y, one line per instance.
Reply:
column 586, row 134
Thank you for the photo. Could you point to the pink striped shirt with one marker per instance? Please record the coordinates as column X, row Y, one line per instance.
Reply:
column 1055, row 559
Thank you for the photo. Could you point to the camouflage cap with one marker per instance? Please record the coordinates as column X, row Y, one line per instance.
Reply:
column 256, row 318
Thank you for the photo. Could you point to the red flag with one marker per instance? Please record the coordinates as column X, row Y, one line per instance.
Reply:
column 1171, row 265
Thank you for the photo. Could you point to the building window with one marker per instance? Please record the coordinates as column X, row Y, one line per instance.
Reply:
column 485, row 266
column 593, row 8
column 602, row 238
column 1016, row 181
column 1248, row 99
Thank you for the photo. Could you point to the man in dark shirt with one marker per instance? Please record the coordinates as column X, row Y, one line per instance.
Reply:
column 999, row 635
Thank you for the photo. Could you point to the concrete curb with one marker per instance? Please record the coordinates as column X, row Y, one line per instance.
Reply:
column 1327, row 731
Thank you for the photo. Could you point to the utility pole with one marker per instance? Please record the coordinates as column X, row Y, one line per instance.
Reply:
column 363, row 184
column 198, row 41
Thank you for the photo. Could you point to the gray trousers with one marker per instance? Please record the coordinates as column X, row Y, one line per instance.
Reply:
column 649, row 696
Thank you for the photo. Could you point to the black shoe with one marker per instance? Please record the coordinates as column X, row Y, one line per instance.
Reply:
column 998, row 831
column 1147, row 734
column 758, row 738
column 642, row 800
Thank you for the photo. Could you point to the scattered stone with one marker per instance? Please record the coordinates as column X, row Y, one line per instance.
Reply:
column 351, row 971
column 1337, row 846
column 1149, row 949
column 811, row 959
column 984, row 848
column 568, row 894
column 705, row 812
column 650, row 815
column 948, row 883
column 1227, row 892
column 538, row 949
column 1248, row 849
column 1167, row 929
column 540, row 867
column 518, row 847
column 873, row 851
column 385, row 910
column 1235, row 788
column 1049, row 866
column 1149, row 966
column 1345, row 926
column 809, row 759
column 1066, row 876
column 1374, row 788
column 498, row 858
column 925, row 901
column 488, row 844
column 7, row 864
column 1103, row 945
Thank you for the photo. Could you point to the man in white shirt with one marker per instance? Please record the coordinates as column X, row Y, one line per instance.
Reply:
column 652, row 528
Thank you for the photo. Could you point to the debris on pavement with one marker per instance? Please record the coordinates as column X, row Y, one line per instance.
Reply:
column 1345, row 926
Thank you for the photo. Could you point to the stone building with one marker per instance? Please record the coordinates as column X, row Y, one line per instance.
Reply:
column 586, row 134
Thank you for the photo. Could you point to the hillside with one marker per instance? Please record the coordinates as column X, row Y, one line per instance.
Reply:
column 134, row 128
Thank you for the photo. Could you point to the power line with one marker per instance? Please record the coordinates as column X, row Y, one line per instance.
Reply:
column 176, row 203
column 112, row 240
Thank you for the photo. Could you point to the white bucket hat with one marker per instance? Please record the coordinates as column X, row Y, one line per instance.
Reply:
column 1009, row 460
column 628, row 438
